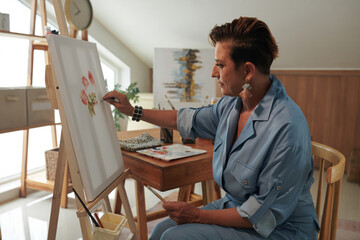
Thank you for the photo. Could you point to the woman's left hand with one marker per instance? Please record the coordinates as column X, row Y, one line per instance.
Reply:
column 182, row 212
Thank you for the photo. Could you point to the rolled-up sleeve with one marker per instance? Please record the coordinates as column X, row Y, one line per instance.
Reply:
column 266, row 224
column 280, row 185
column 184, row 122
column 198, row 122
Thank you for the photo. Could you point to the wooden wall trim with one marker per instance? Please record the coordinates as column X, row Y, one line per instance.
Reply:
column 318, row 72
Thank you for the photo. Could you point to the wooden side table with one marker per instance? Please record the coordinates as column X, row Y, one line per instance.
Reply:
column 162, row 175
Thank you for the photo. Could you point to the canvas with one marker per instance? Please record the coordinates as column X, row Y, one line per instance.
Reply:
column 184, row 76
column 80, row 80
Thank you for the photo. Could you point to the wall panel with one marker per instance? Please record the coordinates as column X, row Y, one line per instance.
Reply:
column 330, row 101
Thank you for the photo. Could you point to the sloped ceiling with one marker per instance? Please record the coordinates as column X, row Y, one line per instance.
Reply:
column 311, row 34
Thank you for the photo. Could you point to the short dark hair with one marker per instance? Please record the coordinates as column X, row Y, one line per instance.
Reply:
column 252, row 42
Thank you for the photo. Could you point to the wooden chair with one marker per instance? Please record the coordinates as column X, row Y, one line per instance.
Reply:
column 335, row 163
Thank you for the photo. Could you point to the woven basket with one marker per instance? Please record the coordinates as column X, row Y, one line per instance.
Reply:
column 51, row 157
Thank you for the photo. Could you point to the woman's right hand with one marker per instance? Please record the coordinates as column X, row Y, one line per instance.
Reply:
column 162, row 118
column 120, row 102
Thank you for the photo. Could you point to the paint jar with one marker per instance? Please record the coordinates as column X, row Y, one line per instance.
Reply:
column 187, row 140
column 113, row 224
column 166, row 135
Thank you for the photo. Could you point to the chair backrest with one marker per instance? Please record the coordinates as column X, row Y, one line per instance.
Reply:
column 334, row 173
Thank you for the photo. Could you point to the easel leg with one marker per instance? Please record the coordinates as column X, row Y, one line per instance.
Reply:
column 127, row 209
column 117, row 202
column 64, row 192
column 107, row 204
column 84, row 35
column 141, row 210
column 59, row 177
column 73, row 33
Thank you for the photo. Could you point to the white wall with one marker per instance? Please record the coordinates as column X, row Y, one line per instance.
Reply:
column 320, row 34
column 139, row 71
column 312, row 34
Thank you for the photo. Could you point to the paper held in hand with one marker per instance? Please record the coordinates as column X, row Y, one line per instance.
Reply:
column 171, row 152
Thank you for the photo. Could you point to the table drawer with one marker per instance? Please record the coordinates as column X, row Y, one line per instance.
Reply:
column 12, row 108
column 39, row 109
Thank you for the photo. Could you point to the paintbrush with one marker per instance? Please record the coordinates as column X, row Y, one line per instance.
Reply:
column 97, row 101
column 168, row 100
column 154, row 192
column 98, row 219
column 86, row 209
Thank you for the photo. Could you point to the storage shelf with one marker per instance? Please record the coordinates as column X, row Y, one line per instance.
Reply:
column 22, row 35
column 28, row 127
column 38, row 181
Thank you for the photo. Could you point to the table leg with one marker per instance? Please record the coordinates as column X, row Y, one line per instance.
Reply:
column 217, row 191
column 184, row 193
column 208, row 191
column 141, row 210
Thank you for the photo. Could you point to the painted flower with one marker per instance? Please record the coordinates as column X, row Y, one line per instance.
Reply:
column 91, row 78
column 84, row 98
column 92, row 96
column 85, row 82
column 91, row 109
column 89, row 100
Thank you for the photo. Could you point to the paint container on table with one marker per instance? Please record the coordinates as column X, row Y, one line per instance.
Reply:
column 166, row 135
column 113, row 225
column 187, row 140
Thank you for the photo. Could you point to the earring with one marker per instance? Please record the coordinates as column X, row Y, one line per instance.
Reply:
column 247, row 86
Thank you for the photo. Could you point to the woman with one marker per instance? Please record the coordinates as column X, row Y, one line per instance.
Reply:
column 262, row 148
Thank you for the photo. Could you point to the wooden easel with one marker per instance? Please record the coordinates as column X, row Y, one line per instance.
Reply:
column 66, row 143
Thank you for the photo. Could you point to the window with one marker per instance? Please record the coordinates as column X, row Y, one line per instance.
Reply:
column 13, row 73
column 109, row 75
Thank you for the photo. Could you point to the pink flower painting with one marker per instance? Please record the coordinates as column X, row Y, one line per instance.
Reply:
column 91, row 78
column 85, row 82
column 84, row 98
column 88, row 100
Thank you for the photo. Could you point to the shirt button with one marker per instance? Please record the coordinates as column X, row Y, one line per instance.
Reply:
column 245, row 182
column 278, row 188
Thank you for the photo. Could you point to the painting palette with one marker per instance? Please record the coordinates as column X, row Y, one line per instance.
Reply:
column 171, row 152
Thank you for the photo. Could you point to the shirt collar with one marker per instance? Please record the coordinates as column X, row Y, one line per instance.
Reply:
column 263, row 109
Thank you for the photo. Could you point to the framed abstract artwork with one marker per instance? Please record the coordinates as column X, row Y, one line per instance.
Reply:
column 183, row 77
column 78, row 72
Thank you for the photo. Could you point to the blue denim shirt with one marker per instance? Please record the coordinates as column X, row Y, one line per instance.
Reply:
column 267, row 173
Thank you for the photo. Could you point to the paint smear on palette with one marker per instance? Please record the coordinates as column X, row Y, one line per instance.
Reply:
column 87, row 94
